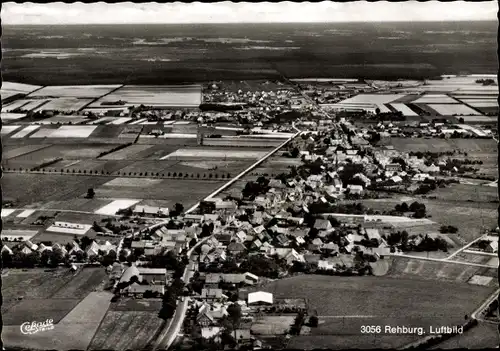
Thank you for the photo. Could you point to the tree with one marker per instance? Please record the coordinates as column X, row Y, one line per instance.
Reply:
column 90, row 193
column 179, row 208
column 295, row 152
column 313, row 321
column 234, row 315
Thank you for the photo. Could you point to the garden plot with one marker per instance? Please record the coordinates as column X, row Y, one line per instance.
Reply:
column 76, row 91
column 64, row 104
column 405, row 110
column 133, row 182
column 214, row 153
column 435, row 99
column 272, row 325
column 8, row 129
column 453, row 109
column 181, row 96
column 27, row 105
column 25, row 131
column 12, row 116
column 73, row 132
column 480, row 280
column 25, row 213
column 113, row 207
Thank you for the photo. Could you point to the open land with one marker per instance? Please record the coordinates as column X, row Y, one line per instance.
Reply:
column 387, row 301
column 482, row 336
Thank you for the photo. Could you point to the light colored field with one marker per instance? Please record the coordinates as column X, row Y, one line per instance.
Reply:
column 480, row 280
column 64, row 120
column 182, row 96
column 25, row 213
column 120, row 120
column 113, row 207
column 494, row 262
column 404, row 109
column 24, row 132
column 75, row 331
column 73, row 132
column 19, row 87
column 133, row 182
column 8, row 94
column 8, row 129
column 481, row 102
column 77, row 91
column 12, row 116
column 478, row 119
column 83, row 231
column 126, row 153
column 16, row 233
column 272, row 325
column 453, row 109
column 472, row 129
column 42, row 133
column 139, row 121
column 207, row 153
column 435, row 99
column 64, row 104
column 26, row 105
column 377, row 99
column 178, row 136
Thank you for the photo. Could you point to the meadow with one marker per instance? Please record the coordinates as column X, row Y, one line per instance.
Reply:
column 376, row 301
column 75, row 91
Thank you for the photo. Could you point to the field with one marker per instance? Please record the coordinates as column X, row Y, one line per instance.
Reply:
column 482, row 336
column 38, row 189
column 73, row 132
column 7, row 117
column 64, row 104
column 64, row 120
column 25, row 132
column 453, row 109
column 404, row 109
column 73, row 152
column 46, row 294
column 464, row 192
column 114, row 206
column 18, row 87
column 272, row 325
column 75, row 331
column 75, row 91
column 435, row 99
column 214, row 153
column 420, row 270
column 24, row 105
column 11, row 152
column 441, row 145
column 8, row 129
column 125, row 330
column 179, row 96
column 128, row 153
column 376, row 301
column 186, row 192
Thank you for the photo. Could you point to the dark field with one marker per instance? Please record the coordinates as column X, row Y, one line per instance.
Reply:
column 375, row 301
column 298, row 50
column 46, row 294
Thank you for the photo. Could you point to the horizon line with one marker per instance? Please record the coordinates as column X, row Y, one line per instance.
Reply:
column 296, row 22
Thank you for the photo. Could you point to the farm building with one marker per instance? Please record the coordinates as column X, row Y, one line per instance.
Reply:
column 153, row 275
column 355, row 189
column 373, row 234
column 138, row 290
column 150, row 210
column 212, row 294
column 216, row 278
column 259, row 298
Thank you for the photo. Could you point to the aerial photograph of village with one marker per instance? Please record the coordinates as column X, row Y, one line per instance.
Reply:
column 238, row 176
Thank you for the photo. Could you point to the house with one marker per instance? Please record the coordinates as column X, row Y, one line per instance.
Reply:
column 212, row 294
column 373, row 234
column 330, row 247
column 210, row 332
column 300, row 240
column 231, row 278
column 256, row 244
column 153, row 275
column 366, row 181
column 259, row 229
column 130, row 272
column 5, row 248
column 322, row 224
column 260, row 298
column 288, row 254
column 326, row 265
column 355, row 189
column 282, row 240
column 236, row 248
column 138, row 290
column 396, row 179
column 266, row 247
column 241, row 236
column 318, row 242
column 224, row 239
column 393, row 167
column 193, row 218
column 492, row 246
column 93, row 249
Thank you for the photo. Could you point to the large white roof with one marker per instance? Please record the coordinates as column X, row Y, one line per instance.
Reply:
column 260, row 296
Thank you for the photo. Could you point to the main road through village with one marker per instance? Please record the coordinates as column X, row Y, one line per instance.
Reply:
column 172, row 328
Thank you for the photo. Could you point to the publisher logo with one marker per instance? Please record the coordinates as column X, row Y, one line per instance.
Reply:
column 35, row 327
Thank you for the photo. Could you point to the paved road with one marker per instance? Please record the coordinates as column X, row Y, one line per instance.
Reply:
column 171, row 331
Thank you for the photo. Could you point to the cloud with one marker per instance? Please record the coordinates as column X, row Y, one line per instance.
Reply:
column 229, row 12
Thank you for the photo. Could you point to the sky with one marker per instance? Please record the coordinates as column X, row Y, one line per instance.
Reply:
column 229, row 12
